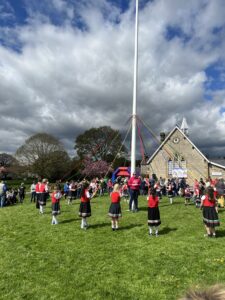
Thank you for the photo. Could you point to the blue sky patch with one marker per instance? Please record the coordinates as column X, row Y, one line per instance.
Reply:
column 215, row 77
column 222, row 110
column 173, row 32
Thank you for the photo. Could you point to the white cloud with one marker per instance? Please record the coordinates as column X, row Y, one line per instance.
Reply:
column 65, row 80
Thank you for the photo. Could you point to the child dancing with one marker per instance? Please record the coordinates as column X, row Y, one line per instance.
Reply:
column 153, row 212
column 115, row 208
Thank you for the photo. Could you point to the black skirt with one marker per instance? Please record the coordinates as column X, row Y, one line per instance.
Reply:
column 170, row 194
column 85, row 209
column 37, row 200
column 55, row 209
column 153, row 216
column 42, row 199
column 115, row 210
column 210, row 217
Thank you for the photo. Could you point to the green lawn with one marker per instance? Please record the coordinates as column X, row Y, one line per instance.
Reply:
column 42, row 261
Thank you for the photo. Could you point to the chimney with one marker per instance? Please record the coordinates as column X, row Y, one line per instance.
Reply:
column 162, row 136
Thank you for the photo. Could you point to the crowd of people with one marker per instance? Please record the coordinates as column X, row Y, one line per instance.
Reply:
column 207, row 195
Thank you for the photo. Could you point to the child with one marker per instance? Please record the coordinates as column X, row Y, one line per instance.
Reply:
column 56, row 196
column 115, row 208
column 170, row 192
column 187, row 195
column 85, row 206
column 210, row 215
column 43, row 193
column 196, row 196
column 153, row 211
column 124, row 191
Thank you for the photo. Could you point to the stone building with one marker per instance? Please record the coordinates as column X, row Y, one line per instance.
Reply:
column 178, row 157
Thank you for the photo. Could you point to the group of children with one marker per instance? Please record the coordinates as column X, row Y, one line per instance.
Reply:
column 208, row 205
column 114, row 209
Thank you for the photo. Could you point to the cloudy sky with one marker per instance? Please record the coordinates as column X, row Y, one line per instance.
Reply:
column 67, row 66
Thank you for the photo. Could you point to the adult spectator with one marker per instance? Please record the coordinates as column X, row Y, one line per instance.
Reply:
column 21, row 191
column 3, row 189
column 66, row 189
column 134, row 186
column 33, row 192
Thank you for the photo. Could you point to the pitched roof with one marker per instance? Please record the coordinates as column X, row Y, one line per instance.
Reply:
column 167, row 138
column 218, row 162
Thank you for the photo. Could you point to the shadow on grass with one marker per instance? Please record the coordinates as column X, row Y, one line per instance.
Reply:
column 163, row 204
column 143, row 208
column 220, row 233
column 130, row 226
column 167, row 230
column 69, row 221
column 99, row 225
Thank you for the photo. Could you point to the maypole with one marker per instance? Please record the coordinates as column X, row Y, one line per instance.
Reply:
column 134, row 115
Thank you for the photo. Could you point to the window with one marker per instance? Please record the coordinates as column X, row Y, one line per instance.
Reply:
column 176, row 163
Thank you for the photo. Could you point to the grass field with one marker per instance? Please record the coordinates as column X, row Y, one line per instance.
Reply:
column 43, row 261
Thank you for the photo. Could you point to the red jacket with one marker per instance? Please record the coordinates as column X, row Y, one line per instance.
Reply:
column 134, row 183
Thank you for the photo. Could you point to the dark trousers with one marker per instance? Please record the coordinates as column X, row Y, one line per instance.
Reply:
column 33, row 196
column 133, row 197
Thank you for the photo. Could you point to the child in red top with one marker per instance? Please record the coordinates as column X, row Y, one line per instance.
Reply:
column 153, row 212
column 187, row 195
column 210, row 215
column 115, row 208
column 85, row 206
column 55, row 196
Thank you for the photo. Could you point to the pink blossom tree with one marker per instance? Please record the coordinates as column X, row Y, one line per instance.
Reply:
column 95, row 168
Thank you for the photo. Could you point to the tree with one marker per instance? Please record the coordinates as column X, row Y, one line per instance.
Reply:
column 8, row 164
column 44, row 155
column 101, row 143
column 95, row 168
column 6, row 160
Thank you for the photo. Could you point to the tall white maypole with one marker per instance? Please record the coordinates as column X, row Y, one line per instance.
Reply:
column 134, row 115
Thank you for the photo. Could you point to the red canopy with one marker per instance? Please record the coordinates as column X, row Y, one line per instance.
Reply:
column 123, row 173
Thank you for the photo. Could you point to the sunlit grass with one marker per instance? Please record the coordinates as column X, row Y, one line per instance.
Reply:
column 41, row 261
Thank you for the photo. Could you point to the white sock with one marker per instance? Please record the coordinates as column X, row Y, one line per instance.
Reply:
column 54, row 220
column 117, row 226
column 150, row 229
column 156, row 230
column 41, row 209
column 82, row 223
column 171, row 200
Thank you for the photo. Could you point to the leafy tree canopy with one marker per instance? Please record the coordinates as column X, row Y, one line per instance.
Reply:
column 44, row 155
column 101, row 143
column 6, row 160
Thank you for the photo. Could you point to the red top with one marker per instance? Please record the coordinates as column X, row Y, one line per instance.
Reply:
column 56, row 196
column 37, row 189
column 85, row 197
column 153, row 201
column 207, row 202
column 187, row 192
column 134, row 183
column 115, row 197
column 43, row 188
column 196, row 191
